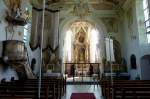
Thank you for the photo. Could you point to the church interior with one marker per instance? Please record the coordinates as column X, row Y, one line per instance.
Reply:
column 74, row 49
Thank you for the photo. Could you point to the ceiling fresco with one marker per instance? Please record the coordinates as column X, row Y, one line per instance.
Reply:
column 66, row 4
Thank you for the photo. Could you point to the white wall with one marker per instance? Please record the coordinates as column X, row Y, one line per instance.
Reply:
column 134, row 40
column 7, row 74
column 34, row 54
column 130, row 44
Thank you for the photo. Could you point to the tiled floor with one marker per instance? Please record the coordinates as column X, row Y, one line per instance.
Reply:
column 83, row 89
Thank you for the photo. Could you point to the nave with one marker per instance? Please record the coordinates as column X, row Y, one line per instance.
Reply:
column 58, row 49
column 83, row 89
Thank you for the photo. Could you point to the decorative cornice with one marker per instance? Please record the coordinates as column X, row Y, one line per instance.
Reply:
column 40, row 9
column 127, row 4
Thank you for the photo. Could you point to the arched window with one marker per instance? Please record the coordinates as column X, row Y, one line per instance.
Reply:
column 146, row 7
column 68, row 45
column 133, row 61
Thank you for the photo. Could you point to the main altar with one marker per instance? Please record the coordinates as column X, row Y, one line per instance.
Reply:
column 81, row 52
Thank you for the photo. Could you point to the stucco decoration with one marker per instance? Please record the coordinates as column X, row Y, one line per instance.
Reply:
column 111, row 24
column 51, row 5
column 13, row 6
column 81, row 9
column 130, row 20
column 103, row 6
column 15, row 16
column 37, row 3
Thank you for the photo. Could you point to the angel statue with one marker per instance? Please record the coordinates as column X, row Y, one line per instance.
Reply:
column 14, row 7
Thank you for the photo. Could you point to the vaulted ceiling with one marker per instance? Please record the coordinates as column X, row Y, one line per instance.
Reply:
column 95, row 7
column 66, row 4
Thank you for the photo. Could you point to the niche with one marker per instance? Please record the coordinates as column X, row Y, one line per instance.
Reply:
column 133, row 61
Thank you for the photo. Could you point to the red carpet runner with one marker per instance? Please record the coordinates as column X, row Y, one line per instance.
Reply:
column 82, row 96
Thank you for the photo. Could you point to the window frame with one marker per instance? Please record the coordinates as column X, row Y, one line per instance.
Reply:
column 148, row 20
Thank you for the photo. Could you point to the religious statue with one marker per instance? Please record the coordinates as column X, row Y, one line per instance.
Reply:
column 14, row 8
column 82, row 54
column 15, row 14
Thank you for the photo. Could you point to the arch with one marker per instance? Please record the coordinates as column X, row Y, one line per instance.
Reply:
column 99, row 25
column 93, row 21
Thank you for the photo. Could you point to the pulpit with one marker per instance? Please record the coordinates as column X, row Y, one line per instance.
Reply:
column 16, row 54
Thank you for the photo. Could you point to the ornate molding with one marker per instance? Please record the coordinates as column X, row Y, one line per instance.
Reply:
column 127, row 4
column 111, row 24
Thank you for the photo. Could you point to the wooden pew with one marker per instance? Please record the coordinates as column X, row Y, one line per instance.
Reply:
column 126, row 89
column 29, row 91
column 50, row 89
column 59, row 89
column 61, row 82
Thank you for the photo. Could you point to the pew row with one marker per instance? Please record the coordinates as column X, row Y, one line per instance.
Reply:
column 51, row 88
column 126, row 89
